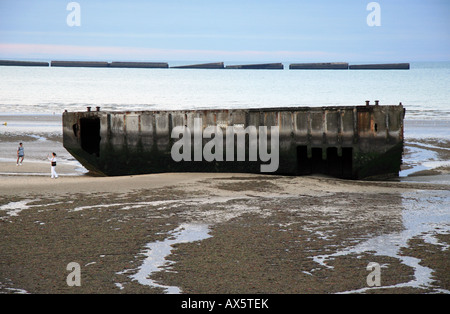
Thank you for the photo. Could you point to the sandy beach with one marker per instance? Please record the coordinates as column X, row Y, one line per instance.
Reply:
column 218, row 233
column 262, row 234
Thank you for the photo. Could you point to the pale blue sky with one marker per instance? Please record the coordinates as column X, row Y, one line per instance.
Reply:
column 227, row 30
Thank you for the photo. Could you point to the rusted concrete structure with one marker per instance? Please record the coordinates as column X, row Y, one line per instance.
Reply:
column 346, row 141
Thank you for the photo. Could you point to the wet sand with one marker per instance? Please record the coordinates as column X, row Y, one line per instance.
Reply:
column 265, row 234
column 218, row 233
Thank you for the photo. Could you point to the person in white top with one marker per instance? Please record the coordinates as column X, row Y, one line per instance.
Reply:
column 52, row 159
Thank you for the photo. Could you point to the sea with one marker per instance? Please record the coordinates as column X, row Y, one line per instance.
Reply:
column 424, row 91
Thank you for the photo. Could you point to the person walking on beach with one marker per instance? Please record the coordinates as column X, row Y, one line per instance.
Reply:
column 52, row 159
column 20, row 154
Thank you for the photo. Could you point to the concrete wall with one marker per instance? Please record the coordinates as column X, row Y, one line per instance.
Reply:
column 90, row 64
column 140, row 142
column 390, row 66
column 148, row 65
column 23, row 63
column 319, row 66
column 265, row 66
column 214, row 65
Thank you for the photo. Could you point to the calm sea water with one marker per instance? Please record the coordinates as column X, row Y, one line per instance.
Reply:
column 424, row 90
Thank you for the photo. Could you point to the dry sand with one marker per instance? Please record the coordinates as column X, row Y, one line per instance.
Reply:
column 264, row 234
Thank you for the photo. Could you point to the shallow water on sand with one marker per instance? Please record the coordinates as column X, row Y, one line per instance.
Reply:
column 425, row 215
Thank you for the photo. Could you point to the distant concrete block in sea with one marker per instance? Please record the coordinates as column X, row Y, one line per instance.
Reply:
column 264, row 66
column 319, row 66
column 214, row 65
column 386, row 66
column 23, row 63
column 86, row 64
column 149, row 65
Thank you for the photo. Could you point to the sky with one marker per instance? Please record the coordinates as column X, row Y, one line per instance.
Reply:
column 226, row 30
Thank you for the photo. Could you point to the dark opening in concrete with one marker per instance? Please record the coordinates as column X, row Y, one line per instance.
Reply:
column 347, row 162
column 318, row 165
column 334, row 162
column 90, row 135
column 303, row 162
column 334, row 165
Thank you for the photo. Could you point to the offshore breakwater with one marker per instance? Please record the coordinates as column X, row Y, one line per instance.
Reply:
column 389, row 66
column 319, row 66
column 212, row 65
column 23, row 63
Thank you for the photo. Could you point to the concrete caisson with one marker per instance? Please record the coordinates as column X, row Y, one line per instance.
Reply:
column 353, row 142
